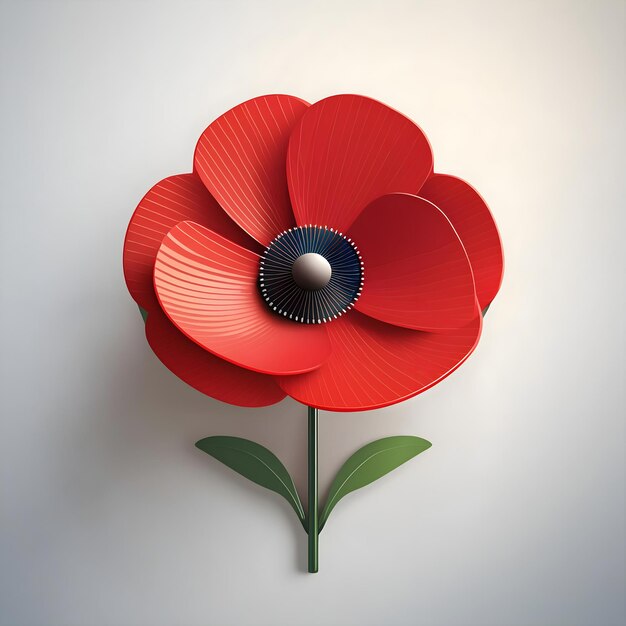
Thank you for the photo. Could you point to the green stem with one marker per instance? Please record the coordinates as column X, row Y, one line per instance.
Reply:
column 313, row 522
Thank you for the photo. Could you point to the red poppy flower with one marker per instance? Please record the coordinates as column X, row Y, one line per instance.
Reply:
column 312, row 252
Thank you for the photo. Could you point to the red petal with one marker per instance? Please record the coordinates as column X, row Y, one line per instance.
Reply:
column 348, row 150
column 473, row 222
column 417, row 273
column 373, row 364
column 207, row 286
column 206, row 372
column 174, row 199
column 240, row 157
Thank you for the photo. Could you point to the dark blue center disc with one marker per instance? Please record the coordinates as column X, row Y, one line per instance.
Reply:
column 296, row 283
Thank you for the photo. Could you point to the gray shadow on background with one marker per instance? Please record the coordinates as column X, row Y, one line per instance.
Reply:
column 140, row 405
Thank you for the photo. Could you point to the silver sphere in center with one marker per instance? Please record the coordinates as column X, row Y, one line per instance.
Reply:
column 311, row 271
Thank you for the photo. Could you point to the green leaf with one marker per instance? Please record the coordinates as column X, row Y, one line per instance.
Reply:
column 370, row 463
column 257, row 464
column 144, row 314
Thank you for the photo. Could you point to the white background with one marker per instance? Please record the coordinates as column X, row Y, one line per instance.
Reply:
column 111, row 516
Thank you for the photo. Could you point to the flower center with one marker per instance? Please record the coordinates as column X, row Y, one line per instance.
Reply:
column 311, row 274
column 311, row 271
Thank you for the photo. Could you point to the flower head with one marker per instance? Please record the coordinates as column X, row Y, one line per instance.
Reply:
column 312, row 252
